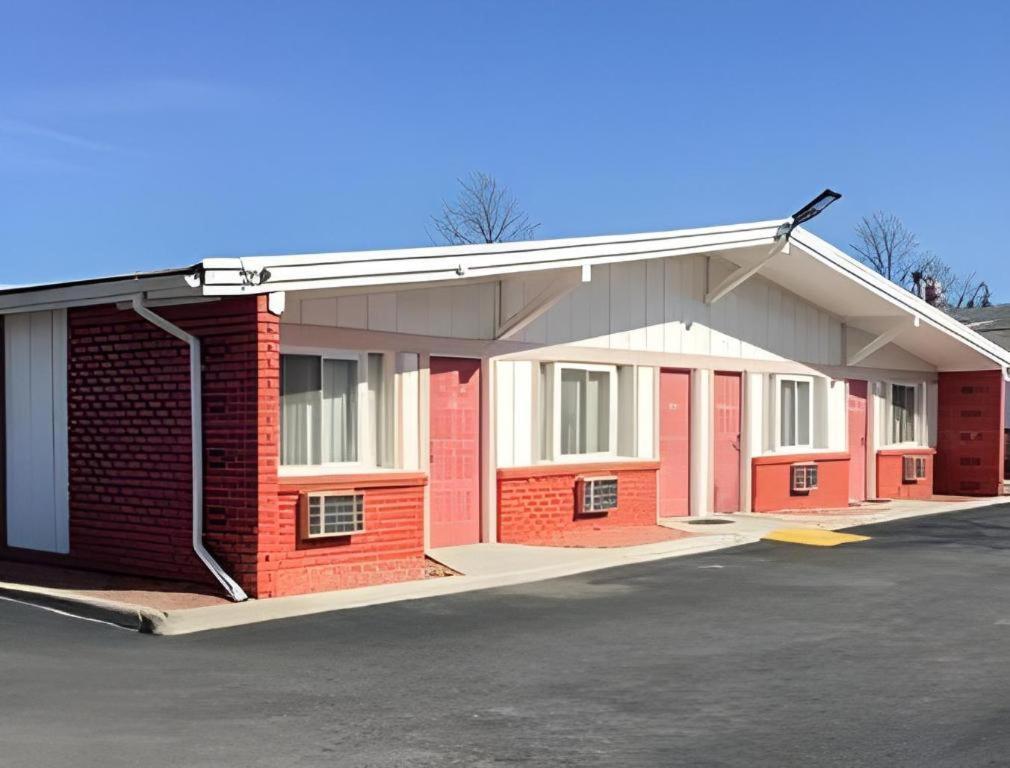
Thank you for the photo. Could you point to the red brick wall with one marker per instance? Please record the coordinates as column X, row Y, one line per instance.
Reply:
column 771, row 482
column 535, row 503
column 129, row 437
column 970, row 447
column 391, row 548
column 890, row 473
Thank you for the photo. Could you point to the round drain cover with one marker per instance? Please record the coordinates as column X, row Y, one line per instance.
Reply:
column 709, row 521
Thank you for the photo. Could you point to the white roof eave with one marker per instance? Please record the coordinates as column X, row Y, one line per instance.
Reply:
column 898, row 296
column 261, row 274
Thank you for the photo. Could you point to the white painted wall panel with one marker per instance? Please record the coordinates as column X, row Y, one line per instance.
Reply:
column 463, row 312
column 35, row 364
column 656, row 306
column 646, row 415
column 514, row 413
column 408, row 402
column 523, row 413
column 504, row 421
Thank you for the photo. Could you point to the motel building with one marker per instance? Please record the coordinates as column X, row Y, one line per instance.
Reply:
column 292, row 424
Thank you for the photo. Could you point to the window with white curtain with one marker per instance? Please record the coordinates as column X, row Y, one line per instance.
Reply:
column 578, row 410
column 796, row 412
column 333, row 409
column 902, row 413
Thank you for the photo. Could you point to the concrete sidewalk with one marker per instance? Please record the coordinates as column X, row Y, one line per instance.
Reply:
column 481, row 566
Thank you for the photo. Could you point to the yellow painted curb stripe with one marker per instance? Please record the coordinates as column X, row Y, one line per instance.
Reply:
column 814, row 537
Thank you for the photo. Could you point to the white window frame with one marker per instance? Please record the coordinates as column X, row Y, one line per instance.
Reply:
column 364, row 430
column 918, row 422
column 777, row 415
column 554, row 441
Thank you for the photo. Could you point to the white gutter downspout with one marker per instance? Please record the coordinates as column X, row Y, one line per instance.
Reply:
column 196, row 422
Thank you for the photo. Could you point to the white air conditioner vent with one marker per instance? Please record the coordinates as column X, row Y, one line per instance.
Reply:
column 913, row 468
column 333, row 513
column 803, row 477
column 597, row 495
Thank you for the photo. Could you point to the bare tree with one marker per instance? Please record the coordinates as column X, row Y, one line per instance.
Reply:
column 956, row 291
column 484, row 211
column 886, row 246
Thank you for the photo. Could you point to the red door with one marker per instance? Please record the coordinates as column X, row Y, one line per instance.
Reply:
column 726, row 438
column 454, row 474
column 857, row 439
column 674, row 442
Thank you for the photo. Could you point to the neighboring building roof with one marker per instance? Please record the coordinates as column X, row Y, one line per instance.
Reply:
column 992, row 322
column 984, row 317
column 809, row 267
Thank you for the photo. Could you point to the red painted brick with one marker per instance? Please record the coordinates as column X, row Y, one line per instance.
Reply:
column 391, row 548
column 890, row 475
column 129, row 438
column 771, row 478
column 533, row 508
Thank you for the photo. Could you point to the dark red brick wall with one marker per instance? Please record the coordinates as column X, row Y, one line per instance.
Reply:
column 391, row 548
column 969, row 458
column 535, row 503
column 129, row 437
column 890, row 475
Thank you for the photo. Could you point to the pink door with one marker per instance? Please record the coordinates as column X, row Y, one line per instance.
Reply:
column 454, row 475
column 674, row 442
column 857, row 439
column 726, row 439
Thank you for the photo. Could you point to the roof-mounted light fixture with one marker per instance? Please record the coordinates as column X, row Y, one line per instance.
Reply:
column 814, row 208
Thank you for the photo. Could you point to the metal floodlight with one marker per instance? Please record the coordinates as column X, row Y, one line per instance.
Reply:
column 812, row 209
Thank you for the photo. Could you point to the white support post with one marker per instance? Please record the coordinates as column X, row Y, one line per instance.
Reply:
column 881, row 340
column 740, row 275
column 566, row 282
column 701, row 443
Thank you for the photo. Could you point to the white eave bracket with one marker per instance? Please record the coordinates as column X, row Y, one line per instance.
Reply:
column 276, row 302
column 739, row 276
column 882, row 340
column 542, row 302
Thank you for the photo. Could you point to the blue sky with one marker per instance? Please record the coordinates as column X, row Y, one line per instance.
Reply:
column 144, row 135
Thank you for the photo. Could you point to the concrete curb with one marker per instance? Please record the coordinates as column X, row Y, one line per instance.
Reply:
column 190, row 620
column 127, row 615
column 208, row 618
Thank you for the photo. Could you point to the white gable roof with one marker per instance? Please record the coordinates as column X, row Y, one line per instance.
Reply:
column 810, row 267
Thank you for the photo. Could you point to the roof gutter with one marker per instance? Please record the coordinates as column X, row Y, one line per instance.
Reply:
column 235, row 592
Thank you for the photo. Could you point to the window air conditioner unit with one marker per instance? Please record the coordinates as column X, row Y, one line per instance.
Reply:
column 332, row 513
column 597, row 495
column 913, row 468
column 803, row 477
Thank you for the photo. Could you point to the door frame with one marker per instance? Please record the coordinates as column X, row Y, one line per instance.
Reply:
column 486, row 528
column 867, row 447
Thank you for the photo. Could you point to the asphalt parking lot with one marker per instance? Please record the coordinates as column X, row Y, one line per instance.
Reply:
column 889, row 652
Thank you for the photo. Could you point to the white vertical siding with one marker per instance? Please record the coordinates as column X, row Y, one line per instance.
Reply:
column 646, row 413
column 461, row 312
column 659, row 306
column 35, row 371
column 408, row 402
column 514, row 413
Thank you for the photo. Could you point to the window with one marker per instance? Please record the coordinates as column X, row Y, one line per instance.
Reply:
column 333, row 409
column 578, row 410
column 333, row 514
column 902, row 413
column 795, row 412
column 585, row 411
